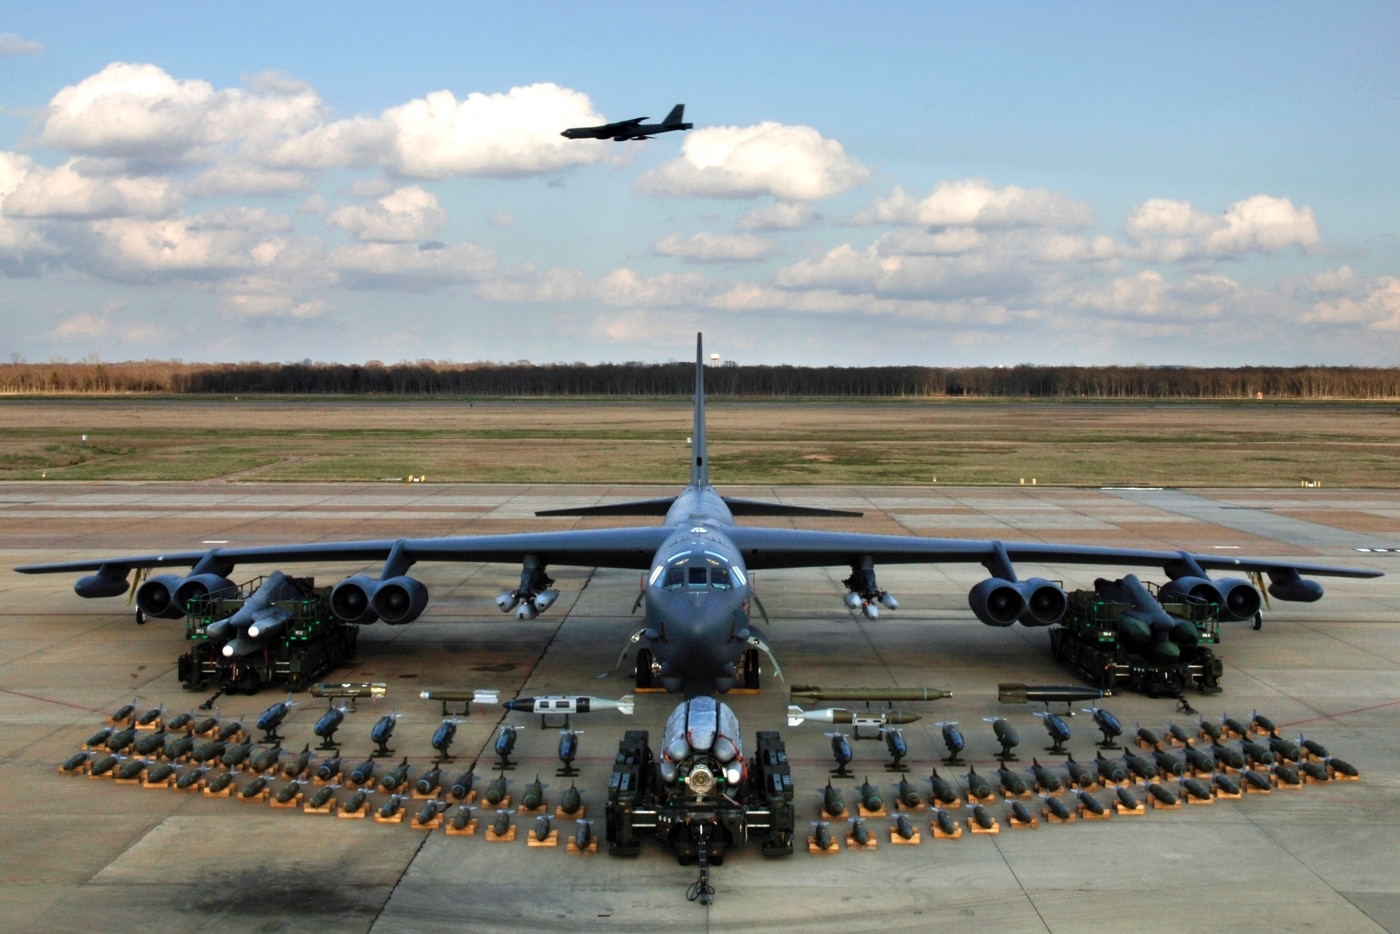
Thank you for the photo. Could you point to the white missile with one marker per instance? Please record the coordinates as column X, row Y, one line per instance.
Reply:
column 560, row 703
column 796, row 716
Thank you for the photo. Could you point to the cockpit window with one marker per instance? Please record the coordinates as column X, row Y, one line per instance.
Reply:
column 719, row 578
column 675, row 578
column 697, row 577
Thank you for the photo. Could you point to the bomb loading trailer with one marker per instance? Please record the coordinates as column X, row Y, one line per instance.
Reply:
column 1119, row 635
column 300, row 639
column 700, row 796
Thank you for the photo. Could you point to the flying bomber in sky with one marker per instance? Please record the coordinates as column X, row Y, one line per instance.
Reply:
column 633, row 129
column 699, row 637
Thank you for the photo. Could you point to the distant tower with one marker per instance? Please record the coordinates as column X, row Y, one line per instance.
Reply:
column 714, row 359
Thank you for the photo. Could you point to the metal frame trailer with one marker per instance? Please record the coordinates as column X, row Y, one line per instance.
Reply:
column 1088, row 641
column 314, row 642
column 699, row 829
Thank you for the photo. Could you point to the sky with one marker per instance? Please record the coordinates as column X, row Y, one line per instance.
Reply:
column 939, row 184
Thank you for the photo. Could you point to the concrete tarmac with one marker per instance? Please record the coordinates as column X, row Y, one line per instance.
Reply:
column 85, row 853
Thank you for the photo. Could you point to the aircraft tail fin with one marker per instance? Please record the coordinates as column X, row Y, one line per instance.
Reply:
column 699, row 464
column 677, row 115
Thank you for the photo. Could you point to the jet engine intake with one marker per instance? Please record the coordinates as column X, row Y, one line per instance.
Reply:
column 350, row 599
column 1045, row 602
column 997, row 602
column 1236, row 598
column 156, row 597
column 399, row 600
column 198, row 586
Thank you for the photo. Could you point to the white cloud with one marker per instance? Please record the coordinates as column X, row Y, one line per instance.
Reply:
column 1169, row 231
column 1150, row 295
column 791, row 163
column 503, row 135
column 502, row 219
column 242, row 178
column 407, row 266
column 976, row 202
column 781, row 215
column 202, row 247
column 715, row 248
column 1345, row 299
column 69, row 192
column 405, row 215
column 12, row 45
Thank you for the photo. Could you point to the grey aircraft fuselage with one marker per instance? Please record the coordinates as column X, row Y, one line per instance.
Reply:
column 634, row 129
column 697, row 597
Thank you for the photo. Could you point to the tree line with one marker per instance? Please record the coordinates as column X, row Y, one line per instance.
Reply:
column 437, row 378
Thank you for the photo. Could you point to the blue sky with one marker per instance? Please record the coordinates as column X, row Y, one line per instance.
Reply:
column 941, row 184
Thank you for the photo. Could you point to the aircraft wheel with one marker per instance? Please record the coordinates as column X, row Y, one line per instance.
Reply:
column 752, row 669
column 1259, row 620
column 141, row 618
column 643, row 669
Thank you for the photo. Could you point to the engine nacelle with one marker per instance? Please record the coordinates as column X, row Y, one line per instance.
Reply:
column 198, row 586
column 1236, row 598
column 1045, row 602
column 156, row 597
column 399, row 600
column 350, row 599
column 997, row 602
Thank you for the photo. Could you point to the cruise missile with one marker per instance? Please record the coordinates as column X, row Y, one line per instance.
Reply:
column 276, row 586
column 811, row 694
column 568, row 704
column 1012, row 693
column 796, row 716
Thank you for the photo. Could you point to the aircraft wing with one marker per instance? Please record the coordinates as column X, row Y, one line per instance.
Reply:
column 613, row 548
column 767, row 548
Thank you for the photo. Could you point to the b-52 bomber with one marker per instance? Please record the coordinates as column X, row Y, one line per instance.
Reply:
column 698, row 595
column 633, row 129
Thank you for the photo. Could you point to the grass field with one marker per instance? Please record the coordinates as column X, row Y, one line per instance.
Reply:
column 549, row 441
